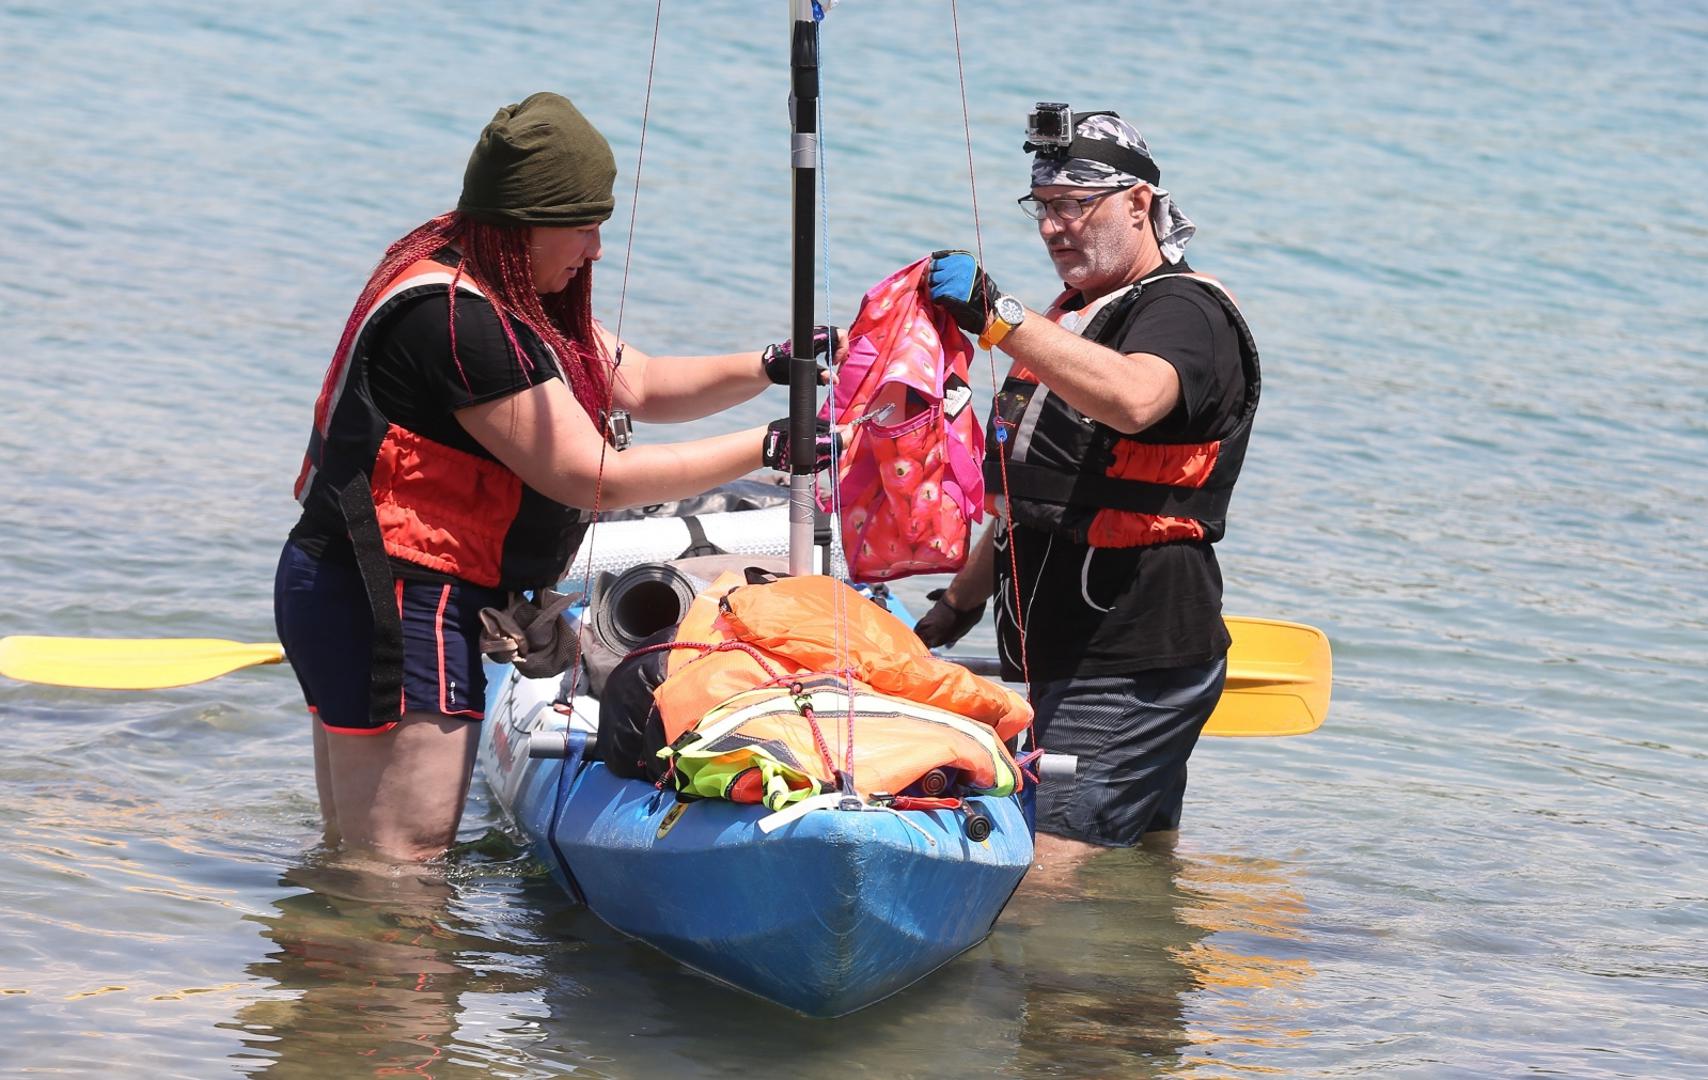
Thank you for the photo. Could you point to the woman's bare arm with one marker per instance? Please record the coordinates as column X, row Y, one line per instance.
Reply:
column 670, row 389
column 543, row 436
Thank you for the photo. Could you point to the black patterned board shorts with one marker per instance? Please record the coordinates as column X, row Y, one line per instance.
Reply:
column 1132, row 735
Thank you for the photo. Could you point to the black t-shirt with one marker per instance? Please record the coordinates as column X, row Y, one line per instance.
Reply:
column 1110, row 611
column 418, row 385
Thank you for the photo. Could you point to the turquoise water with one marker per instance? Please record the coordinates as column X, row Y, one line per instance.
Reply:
column 1471, row 241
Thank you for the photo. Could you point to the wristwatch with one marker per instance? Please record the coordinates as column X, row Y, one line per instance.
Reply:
column 1006, row 314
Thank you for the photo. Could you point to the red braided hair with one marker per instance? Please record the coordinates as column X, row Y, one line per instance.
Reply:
column 496, row 258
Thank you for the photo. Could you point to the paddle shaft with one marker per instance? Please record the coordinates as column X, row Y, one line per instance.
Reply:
column 1278, row 682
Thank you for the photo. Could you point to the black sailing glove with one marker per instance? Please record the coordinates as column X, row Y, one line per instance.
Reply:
column 776, row 449
column 944, row 624
column 777, row 358
column 961, row 287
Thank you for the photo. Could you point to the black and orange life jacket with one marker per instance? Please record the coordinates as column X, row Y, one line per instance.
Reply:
column 1071, row 475
column 435, row 506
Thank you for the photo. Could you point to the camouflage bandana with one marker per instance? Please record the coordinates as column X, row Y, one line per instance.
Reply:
column 1173, row 228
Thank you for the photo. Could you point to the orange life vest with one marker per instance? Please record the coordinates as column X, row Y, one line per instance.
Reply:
column 436, row 506
column 736, row 637
column 1068, row 474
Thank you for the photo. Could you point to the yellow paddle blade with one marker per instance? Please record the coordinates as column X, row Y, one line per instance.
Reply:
column 1279, row 678
column 127, row 663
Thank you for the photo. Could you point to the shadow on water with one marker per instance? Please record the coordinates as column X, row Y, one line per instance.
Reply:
column 375, row 970
column 1149, row 963
column 1151, row 960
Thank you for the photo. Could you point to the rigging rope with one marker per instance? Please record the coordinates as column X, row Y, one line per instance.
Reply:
column 845, row 664
column 990, row 354
column 846, row 670
column 568, row 694
column 602, row 421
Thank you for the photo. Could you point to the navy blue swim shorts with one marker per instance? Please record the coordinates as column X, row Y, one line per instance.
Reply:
column 327, row 628
column 1132, row 735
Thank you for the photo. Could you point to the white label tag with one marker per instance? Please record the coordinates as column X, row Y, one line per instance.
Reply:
column 955, row 400
column 956, row 394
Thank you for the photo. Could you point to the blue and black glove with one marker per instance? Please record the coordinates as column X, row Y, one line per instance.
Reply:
column 777, row 358
column 960, row 287
column 775, row 453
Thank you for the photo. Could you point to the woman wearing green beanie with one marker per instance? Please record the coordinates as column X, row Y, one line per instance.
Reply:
column 455, row 459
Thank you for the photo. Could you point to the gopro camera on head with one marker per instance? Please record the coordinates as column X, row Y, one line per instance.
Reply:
column 1049, row 128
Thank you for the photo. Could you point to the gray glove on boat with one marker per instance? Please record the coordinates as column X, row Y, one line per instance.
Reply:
column 945, row 624
column 533, row 636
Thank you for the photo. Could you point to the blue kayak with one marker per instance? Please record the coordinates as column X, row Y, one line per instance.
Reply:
column 825, row 914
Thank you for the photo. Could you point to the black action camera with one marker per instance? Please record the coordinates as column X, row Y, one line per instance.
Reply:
column 619, row 430
column 1049, row 128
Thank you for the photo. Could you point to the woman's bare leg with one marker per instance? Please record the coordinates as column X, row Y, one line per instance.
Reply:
column 323, row 783
column 400, row 794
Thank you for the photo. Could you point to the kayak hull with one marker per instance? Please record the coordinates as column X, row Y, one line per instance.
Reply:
column 824, row 915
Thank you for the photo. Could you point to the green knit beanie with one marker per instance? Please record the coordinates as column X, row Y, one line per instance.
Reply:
column 539, row 163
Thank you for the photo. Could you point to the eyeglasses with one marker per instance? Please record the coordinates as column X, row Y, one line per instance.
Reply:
column 1066, row 208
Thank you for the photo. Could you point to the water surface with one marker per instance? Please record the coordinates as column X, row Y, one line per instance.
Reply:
column 1470, row 240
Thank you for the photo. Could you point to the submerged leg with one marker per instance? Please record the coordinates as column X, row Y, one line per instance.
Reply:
column 400, row 794
column 1055, row 864
column 323, row 783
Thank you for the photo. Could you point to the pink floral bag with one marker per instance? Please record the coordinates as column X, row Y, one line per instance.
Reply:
column 909, row 480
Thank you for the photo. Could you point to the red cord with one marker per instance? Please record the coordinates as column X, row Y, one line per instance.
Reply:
column 978, row 243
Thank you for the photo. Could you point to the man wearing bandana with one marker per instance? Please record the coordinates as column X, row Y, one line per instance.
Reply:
column 1117, row 437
